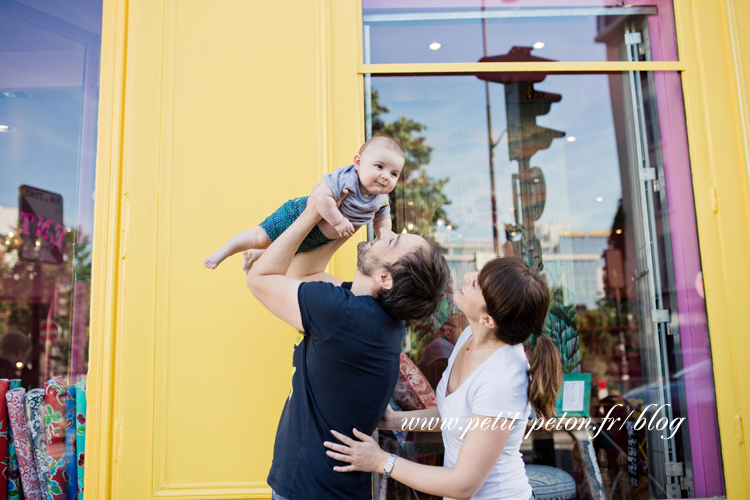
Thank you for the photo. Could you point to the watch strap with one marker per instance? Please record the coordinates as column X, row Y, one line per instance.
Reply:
column 389, row 466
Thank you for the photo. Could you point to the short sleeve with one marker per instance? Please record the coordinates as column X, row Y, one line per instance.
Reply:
column 500, row 393
column 322, row 307
column 340, row 179
column 384, row 211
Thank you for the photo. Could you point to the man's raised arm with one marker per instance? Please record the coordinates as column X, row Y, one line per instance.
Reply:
column 267, row 278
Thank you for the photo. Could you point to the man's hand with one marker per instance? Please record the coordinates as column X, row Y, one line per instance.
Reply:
column 390, row 420
column 344, row 194
column 345, row 228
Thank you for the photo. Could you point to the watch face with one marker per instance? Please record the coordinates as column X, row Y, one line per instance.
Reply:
column 389, row 465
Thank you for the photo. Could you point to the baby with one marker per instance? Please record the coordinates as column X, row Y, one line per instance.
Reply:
column 373, row 175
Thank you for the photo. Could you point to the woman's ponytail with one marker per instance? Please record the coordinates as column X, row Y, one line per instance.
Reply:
column 546, row 377
column 517, row 298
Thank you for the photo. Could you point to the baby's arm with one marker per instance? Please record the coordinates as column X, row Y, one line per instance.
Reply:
column 326, row 204
column 380, row 224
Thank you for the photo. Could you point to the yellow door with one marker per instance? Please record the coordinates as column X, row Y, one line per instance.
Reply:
column 213, row 114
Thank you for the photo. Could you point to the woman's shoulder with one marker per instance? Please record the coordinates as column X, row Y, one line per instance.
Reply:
column 511, row 359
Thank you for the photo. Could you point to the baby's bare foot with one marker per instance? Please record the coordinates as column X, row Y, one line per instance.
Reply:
column 213, row 260
column 250, row 257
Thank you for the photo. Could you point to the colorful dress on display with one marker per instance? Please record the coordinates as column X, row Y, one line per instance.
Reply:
column 80, row 432
column 55, row 400
column 14, row 472
column 4, row 423
column 34, row 403
column 17, row 413
column 71, row 467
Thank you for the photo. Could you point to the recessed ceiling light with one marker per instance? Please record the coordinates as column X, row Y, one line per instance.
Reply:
column 435, row 46
column 539, row 45
column 600, row 199
column 619, row 231
column 571, row 139
column 4, row 128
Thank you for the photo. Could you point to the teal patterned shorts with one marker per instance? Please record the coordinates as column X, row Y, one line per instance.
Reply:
column 284, row 216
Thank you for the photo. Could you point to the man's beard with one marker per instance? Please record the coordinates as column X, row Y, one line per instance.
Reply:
column 367, row 263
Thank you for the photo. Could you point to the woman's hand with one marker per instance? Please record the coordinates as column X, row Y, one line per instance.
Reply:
column 363, row 455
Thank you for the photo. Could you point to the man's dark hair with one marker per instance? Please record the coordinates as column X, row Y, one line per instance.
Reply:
column 420, row 278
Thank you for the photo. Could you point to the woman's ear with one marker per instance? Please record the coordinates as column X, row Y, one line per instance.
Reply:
column 384, row 279
column 486, row 320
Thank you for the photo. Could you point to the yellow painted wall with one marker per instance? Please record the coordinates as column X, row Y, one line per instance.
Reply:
column 211, row 115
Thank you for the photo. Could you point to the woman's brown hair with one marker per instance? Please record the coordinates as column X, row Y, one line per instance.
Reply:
column 517, row 299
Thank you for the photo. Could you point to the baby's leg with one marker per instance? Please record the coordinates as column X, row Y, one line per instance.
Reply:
column 250, row 256
column 255, row 238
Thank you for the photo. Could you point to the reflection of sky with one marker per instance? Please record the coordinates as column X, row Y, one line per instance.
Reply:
column 565, row 38
column 43, row 151
column 453, row 109
column 42, row 79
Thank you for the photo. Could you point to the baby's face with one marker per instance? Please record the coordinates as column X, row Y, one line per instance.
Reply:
column 378, row 168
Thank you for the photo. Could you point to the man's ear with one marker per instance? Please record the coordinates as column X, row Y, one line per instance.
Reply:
column 357, row 161
column 384, row 279
column 486, row 320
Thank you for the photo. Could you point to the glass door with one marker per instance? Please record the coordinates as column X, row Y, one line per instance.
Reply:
column 585, row 176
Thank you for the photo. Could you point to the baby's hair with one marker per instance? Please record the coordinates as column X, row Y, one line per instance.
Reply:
column 385, row 141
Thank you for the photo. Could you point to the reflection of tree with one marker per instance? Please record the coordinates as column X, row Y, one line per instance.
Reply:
column 29, row 289
column 562, row 325
column 418, row 200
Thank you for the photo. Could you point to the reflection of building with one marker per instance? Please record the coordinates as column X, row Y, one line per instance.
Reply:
column 8, row 219
column 584, row 251
column 567, row 255
column 464, row 256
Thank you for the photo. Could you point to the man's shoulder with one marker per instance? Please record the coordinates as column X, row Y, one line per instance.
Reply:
column 323, row 287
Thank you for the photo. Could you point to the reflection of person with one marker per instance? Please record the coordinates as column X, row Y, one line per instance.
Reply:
column 434, row 360
column 15, row 347
column 369, row 180
column 488, row 377
column 346, row 361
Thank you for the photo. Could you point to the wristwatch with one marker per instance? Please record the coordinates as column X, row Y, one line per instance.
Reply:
column 389, row 466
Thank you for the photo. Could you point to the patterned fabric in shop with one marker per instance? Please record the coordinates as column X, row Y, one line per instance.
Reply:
column 71, row 467
column 34, row 404
column 413, row 391
column 80, row 432
column 55, row 401
column 14, row 472
column 17, row 413
column 4, row 423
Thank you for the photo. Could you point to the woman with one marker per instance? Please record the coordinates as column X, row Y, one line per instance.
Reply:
column 487, row 385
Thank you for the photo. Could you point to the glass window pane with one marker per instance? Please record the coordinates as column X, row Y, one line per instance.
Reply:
column 450, row 32
column 547, row 167
column 49, row 83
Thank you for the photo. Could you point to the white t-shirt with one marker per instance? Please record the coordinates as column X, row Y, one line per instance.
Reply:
column 498, row 387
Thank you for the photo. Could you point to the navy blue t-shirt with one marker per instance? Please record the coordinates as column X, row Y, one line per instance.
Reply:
column 345, row 367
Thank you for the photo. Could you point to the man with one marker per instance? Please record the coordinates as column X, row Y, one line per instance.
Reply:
column 347, row 358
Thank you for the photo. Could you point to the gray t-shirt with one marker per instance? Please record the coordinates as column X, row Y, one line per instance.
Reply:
column 356, row 207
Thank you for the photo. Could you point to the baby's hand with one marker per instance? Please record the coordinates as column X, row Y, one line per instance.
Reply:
column 345, row 228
